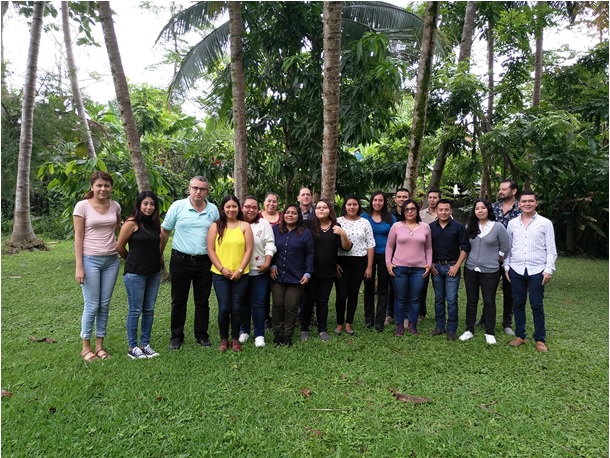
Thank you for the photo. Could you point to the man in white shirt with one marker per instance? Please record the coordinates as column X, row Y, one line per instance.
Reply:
column 530, row 266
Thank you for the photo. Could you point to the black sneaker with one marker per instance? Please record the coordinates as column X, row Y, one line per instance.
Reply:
column 175, row 344
column 136, row 353
column 204, row 342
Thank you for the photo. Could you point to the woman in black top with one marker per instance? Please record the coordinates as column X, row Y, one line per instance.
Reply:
column 142, row 277
column 328, row 236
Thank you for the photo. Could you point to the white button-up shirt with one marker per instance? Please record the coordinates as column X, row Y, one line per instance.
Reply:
column 532, row 247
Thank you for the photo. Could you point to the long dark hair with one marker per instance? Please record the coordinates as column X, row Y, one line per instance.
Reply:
column 221, row 223
column 300, row 226
column 473, row 222
column 404, row 208
column 350, row 197
column 99, row 175
column 149, row 224
column 386, row 216
column 317, row 230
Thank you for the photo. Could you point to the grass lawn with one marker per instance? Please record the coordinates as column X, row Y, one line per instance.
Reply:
column 485, row 401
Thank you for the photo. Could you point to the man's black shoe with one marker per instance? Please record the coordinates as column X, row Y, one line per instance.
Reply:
column 204, row 342
column 175, row 345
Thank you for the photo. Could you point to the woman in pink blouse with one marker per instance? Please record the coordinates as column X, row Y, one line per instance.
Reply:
column 409, row 260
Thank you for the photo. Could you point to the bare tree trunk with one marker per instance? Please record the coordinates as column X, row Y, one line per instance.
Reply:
column 4, row 6
column 424, row 76
column 22, row 223
column 72, row 73
column 464, row 56
column 331, row 90
column 240, row 158
column 122, row 93
column 538, row 63
column 488, row 123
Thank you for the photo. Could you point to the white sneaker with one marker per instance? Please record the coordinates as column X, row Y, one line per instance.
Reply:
column 491, row 340
column 509, row 331
column 243, row 337
column 466, row 336
column 259, row 341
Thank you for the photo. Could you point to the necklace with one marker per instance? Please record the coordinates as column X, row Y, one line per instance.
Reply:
column 325, row 229
column 411, row 229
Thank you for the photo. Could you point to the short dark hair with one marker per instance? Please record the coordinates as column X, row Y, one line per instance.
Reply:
column 443, row 201
column 528, row 192
column 402, row 189
column 436, row 190
column 511, row 182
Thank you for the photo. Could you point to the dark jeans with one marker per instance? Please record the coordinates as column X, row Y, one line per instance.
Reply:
column 230, row 295
column 408, row 284
column 316, row 293
column 423, row 310
column 286, row 297
column 488, row 284
column 254, row 304
column 446, row 290
column 522, row 285
column 507, row 302
column 382, row 292
column 391, row 299
column 185, row 269
column 348, row 286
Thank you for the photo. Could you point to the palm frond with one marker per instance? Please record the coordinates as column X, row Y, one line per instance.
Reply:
column 205, row 53
column 199, row 15
column 382, row 15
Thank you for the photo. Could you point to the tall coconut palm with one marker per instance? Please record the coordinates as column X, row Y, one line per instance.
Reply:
column 23, row 233
column 331, row 91
column 73, row 75
column 122, row 93
column 424, row 76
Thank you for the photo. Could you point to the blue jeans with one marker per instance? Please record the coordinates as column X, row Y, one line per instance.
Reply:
column 446, row 289
column 230, row 295
column 522, row 284
column 408, row 283
column 101, row 273
column 141, row 295
column 254, row 304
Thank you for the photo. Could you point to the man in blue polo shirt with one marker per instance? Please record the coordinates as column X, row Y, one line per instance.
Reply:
column 191, row 219
column 450, row 247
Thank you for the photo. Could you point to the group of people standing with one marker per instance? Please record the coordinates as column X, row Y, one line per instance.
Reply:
column 296, row 256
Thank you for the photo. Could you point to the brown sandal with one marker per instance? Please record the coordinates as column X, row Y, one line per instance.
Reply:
column 85, row 355
column 103, row 354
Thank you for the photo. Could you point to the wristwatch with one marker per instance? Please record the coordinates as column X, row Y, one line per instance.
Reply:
column 241, row 271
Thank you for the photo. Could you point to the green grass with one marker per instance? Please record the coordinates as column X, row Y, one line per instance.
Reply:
column 486, row 401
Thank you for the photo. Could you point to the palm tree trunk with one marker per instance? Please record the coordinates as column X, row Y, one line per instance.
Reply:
column 240, row 158
column 122, row 93
column 424, row 77
column 464, row 56
column 4, row 6
column 72, row 73
column 22, row 223
column 331, row 89
column 488, row 123
column 538, row 63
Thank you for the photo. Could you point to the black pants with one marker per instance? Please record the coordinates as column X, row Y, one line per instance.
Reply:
column 507, row 303
column 488, row 285
column 184, row 270
column 316, row 293
column 383, row 277
column 348, row 286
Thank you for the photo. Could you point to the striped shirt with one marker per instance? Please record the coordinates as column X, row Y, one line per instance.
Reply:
column 532, row 247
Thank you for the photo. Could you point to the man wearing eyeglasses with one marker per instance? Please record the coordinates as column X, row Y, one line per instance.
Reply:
column 190, row 219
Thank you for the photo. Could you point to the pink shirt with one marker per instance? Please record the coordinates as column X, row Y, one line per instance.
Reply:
column 409, row 250
column 99, row 239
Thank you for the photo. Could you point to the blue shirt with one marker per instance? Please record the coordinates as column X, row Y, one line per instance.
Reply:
column 191, row 227
column 294, row 256
column 380, row 232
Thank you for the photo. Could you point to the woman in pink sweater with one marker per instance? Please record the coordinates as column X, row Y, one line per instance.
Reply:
column 408, row 257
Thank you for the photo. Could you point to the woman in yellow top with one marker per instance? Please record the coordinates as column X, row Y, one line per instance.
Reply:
column 230, row 243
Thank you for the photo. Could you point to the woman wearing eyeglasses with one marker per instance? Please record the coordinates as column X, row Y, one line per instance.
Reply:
column 409, row 260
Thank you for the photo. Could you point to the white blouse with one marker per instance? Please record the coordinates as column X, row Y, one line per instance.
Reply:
column 360, row 234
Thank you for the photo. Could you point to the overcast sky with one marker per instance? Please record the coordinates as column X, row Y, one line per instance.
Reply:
column 136, row 31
